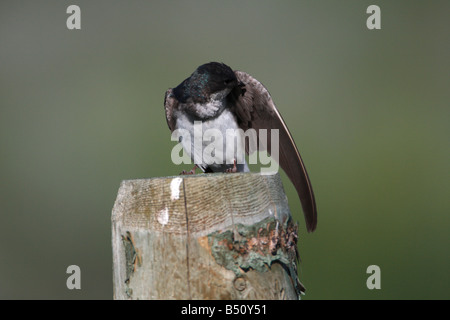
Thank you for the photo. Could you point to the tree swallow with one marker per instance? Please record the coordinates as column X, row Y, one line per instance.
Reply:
column 220, row 98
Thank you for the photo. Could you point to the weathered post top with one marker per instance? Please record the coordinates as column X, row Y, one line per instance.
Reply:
column 206, row 236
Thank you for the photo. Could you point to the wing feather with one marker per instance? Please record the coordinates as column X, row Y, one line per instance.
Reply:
column 170, row 103
column 255, row 109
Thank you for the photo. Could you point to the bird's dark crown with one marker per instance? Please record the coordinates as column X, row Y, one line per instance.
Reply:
column 207, row 79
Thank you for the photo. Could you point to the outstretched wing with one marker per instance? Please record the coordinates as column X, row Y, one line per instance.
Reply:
column 170, row 103
column 255, row 109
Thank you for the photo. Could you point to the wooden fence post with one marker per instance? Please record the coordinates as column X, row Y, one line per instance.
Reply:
column 205, row 236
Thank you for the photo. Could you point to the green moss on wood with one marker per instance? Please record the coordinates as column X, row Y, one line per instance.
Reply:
column 256, row 246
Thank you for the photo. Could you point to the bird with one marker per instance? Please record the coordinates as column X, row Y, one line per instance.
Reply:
column 219, row 98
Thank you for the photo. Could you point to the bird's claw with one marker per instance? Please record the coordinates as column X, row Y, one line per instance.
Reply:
column 184, row 172
column 232, row 170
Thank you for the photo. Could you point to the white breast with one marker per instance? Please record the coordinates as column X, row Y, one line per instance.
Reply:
column 208, row 109
column 224, row 125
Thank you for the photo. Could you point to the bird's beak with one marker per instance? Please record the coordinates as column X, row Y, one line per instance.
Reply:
column 241, row 87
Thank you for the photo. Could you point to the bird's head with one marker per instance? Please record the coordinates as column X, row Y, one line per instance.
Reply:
column 218, row 78
column 210, row 81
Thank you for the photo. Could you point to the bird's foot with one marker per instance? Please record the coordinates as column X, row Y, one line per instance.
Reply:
column 232, row 170
column 184, row 172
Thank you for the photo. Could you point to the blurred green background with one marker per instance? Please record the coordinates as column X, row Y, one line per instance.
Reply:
column 83, row 110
